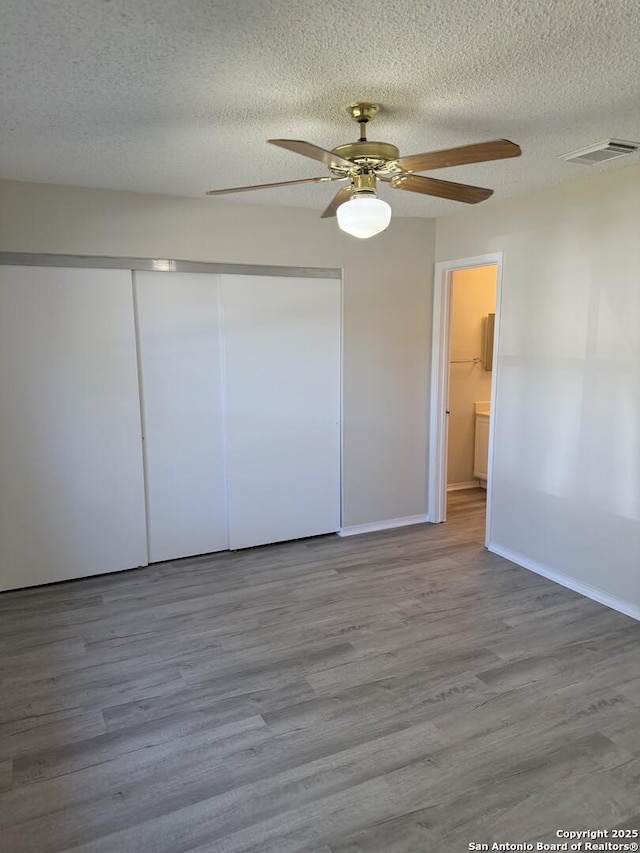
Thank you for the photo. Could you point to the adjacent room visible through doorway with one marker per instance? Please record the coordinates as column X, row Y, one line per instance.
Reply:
column 471, row 325
column 466, row 321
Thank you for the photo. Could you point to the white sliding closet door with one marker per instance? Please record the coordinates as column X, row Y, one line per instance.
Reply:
column 181, row 388
column 282, row 339
column 71, row 477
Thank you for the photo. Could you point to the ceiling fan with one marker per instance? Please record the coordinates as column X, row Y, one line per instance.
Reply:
column 357, row 207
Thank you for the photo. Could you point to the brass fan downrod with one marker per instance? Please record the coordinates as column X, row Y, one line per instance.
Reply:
column 364, row 153
column 363, row 112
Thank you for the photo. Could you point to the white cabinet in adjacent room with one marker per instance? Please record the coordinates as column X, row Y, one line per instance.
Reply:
column 481, row 447
column 71, row 475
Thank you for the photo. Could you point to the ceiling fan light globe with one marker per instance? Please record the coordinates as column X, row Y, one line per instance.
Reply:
column 364, row 216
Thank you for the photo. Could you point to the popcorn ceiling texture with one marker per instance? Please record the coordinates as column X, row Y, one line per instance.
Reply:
column 179, row 96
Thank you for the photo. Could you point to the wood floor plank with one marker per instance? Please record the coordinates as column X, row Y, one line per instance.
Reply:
column 203, row 695
column 395, row 692
column 290, row 791
column 289, row 832
column 68, row 758
column 135, row 784
column 6, row 775
column 46, row 696
column 30, row 734
column 399, row 835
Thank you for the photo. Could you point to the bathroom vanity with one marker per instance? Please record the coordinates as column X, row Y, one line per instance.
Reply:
column 481, row 447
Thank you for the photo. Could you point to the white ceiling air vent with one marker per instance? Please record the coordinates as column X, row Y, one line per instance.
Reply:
column 601, row 151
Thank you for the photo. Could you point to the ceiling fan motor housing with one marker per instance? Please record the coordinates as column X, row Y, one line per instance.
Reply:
column 365, row 155
column 373, row 155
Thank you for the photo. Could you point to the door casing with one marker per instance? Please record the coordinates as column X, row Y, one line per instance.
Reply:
column 437, row 453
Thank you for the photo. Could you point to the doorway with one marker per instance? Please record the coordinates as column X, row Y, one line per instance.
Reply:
column 463, row 387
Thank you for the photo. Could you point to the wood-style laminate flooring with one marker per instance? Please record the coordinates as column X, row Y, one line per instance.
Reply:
column 396, row 692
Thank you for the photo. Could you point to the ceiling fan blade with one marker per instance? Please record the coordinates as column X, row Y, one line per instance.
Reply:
column 480, row 152
column 270, row 186
column 339, row 198
column 441, row 189
column 313, row 151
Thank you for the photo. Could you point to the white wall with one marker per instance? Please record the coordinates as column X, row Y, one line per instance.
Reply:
column 388, row 286
column 566, row 476
column 387, row 305
column 473, row 296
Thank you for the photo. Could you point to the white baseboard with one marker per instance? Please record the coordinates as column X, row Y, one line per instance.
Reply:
column 567, row 581
column 458, row 487
column 382, row 525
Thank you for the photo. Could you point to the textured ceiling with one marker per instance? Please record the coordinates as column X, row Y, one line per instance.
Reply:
column 179, row 96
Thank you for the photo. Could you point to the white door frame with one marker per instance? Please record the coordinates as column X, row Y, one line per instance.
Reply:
column 437, row 480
